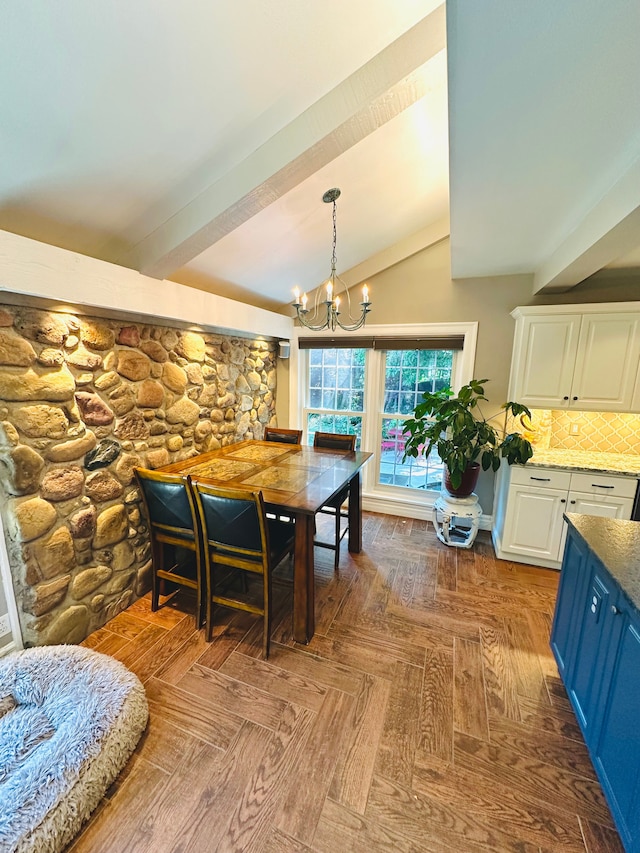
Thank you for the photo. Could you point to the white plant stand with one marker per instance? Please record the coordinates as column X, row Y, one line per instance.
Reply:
column 456, row 520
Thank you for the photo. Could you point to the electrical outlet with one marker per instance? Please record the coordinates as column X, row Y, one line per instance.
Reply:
column 574, row 429
column 5, row 625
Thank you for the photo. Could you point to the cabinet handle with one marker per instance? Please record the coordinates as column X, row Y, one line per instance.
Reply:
column 598, row 486
column 575, row 398
column 543, row 479
column 572, row 502
column 615, row 610
column 562, row 501
column 565, row 398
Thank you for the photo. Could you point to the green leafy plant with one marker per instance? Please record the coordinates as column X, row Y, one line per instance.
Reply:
column 455, row 426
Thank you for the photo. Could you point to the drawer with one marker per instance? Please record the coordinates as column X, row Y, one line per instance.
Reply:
column 604, row 484
column 550, row 478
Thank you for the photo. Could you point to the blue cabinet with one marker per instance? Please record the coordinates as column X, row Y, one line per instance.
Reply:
column 596, row 642
column 617, row 752
column 589, row 675
column 569, row 603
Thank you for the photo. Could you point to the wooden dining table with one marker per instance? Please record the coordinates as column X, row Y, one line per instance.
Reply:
column 295, row 480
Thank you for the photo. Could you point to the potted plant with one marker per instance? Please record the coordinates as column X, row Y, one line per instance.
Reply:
column 463, row 437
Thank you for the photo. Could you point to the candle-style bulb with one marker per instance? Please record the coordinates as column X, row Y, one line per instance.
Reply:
column 329, row 291
column 304, row 301
column 365, row 293
column 296, row 294
column 336, row 303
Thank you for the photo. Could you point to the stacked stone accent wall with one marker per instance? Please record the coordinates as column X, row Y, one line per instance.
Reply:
column 82, row 402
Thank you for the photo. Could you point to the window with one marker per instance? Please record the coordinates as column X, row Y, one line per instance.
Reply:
column 370, row 390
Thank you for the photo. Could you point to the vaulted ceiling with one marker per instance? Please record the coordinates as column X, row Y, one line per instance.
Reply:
column 194, row 140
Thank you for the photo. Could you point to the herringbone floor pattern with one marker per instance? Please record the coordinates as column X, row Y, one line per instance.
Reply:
column 426, row 716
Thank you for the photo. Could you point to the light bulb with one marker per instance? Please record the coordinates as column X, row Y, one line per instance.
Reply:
column 365, row 293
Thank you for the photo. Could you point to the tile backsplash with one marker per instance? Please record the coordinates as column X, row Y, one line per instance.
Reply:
column 604, row 432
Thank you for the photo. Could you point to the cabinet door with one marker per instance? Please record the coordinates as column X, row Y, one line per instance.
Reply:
column 617, row 756
column 606, row 362
column 533, row 521
column 594, row 624
column 546, row 362
column 570, row 601
column 589, row 504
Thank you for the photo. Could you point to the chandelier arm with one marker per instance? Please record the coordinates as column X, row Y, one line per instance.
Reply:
column 318, row 327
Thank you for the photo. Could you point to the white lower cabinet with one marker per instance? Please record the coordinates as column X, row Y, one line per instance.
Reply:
column 530, row 503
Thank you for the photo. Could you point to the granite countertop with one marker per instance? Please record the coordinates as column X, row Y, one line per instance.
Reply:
column 585, row 460
column 617, row 544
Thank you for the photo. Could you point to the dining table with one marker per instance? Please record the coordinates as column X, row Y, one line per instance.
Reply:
column 296, row 480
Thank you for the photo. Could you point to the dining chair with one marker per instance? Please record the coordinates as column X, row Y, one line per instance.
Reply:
column 335, row 441
column 174, row 534
column 284, row 436
column 237, row 535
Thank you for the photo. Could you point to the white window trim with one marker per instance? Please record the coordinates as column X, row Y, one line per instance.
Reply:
column 384, row 499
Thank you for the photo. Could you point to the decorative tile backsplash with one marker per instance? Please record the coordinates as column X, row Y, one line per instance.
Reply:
column 603, row 432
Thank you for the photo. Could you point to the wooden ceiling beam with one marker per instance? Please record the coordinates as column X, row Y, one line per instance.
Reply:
column 377, row 92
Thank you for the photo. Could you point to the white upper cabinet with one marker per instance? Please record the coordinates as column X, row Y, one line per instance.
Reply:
column 585, row 360
column 545, row 361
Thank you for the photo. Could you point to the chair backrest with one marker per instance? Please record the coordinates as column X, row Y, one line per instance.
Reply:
column 284, row 436
column 169, row 503
column 234, row 527
column 335, row 440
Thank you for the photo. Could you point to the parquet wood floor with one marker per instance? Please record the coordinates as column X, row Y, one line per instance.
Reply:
column 426, row 716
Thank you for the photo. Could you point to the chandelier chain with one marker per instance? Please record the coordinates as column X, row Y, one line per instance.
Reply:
column 335, row 239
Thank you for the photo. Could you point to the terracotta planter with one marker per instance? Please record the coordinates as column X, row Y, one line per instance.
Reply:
column 468, row 483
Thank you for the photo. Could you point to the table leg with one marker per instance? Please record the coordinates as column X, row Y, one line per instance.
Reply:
column 355, row 515
column 303, row 580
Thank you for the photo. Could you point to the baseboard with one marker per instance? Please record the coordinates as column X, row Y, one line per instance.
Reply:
column 10, row 647
column 410, row 509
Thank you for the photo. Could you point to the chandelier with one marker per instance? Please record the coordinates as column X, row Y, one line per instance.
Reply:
column 328, row 317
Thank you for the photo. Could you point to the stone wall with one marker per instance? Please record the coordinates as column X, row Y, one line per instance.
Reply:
column 83, row 401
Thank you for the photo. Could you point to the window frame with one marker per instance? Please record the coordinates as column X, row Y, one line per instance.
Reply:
column 376, row 496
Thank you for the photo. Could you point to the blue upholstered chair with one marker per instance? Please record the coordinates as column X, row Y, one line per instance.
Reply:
column 174, row 534
column 238, row 536
column 284, row 436
column 335, row 441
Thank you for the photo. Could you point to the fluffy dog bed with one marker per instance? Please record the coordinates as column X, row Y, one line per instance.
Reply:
column 69, row 720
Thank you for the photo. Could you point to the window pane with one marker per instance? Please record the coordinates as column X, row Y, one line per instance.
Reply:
column 344, row 377
column 391, row 401
column 328, row 399
column 340, row 380
column 315, row 377
column 409, row 379
column 392, row 379
column 329, row 377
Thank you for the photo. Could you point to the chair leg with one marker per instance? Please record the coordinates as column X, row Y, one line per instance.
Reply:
column 266, row 638
column 337, row 555
column 156, row 563
column 208, row 585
